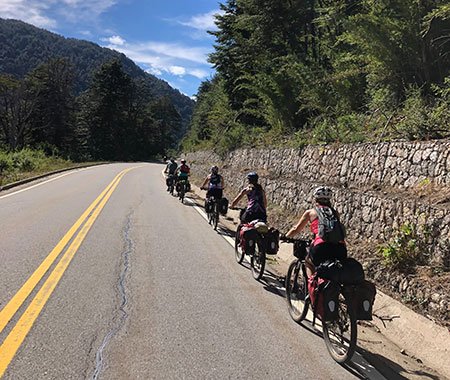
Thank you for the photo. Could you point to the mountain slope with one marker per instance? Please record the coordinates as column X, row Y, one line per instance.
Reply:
column 23, row 47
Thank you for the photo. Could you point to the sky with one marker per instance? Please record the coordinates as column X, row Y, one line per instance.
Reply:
column 167, row 38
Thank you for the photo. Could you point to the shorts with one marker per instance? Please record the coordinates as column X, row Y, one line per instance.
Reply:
column 326, row 251
column 214, row 193
column 249, row 216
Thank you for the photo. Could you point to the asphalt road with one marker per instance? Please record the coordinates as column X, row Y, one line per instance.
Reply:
column 143, row 289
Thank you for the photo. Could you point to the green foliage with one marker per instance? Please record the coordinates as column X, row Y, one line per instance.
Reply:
column 322, row 72
column 409, row 247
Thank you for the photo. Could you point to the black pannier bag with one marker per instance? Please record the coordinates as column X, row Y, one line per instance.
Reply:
column 168, row 181
column 300, row 249
column 223, row 206
column 188, row 186
column 361, row 298
column 209, row 205
column 272, row 241
column 347, row 272
column 248, row 235
column 178, row 187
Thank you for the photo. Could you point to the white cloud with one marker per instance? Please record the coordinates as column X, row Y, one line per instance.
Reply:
column 199, row 73
column 203, row 21
column 114, row 40
column 177, row 70
column 32, row 12
column 42, row 13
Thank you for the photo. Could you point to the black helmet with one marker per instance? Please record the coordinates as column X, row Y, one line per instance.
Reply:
column 172, row 159
column 214, row 169
column 252, row 177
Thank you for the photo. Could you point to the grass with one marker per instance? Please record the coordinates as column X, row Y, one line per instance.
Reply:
column 27, row 163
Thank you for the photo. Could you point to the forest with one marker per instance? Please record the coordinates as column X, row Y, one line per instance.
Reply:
column 297, row 72
column 116, row 118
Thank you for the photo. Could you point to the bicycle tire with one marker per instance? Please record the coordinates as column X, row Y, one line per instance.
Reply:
column 335, row 341
column 238, row 252
column 258, row 263
column 296, row 285
column 181, row 196
column 215, row 216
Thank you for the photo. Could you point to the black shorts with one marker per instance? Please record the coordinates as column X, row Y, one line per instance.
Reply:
column 326, row 251
column 214, row 193
column 249, row 216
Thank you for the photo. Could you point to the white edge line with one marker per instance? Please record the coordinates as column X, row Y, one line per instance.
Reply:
column 42, row 183
column 370, row 371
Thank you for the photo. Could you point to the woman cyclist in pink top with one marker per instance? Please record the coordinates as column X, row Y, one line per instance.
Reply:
column 320, row 250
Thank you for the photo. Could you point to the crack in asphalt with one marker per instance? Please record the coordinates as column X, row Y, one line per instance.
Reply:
column 122, row 315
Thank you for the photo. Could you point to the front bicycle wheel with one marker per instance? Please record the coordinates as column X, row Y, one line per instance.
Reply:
column 340, row 335
column 258, row 262
column 182, row 193
column 296, row 285
column 238, row 251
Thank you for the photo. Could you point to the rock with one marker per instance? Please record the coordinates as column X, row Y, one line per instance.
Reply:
column 435, row 297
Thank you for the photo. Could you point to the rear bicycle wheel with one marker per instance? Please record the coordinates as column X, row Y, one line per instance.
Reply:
column 215, row 215
column 258, row 262
column 182, row 190
column 238, row 251
column 340, row 335
column 296, row 291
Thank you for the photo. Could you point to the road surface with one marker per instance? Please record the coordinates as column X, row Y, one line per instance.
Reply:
column 105, row 275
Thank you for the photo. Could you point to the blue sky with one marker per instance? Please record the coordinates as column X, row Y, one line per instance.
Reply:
column 167, row 38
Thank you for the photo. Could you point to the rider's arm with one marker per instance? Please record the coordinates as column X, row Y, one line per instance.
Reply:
column 204, row 182
column 238, row 198
column 300, row 225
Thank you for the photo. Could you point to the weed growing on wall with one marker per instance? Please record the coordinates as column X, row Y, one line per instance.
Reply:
column 408, row 248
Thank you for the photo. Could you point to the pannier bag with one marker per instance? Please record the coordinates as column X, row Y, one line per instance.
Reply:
column 178, row 187
column 248, row 237
column 361, row 298
column 223, row 206
column 347, row 272
column 209, row 205
column 324, row 297
column 169, row 181
column 300, row 249
column 272, row 241
column 188, row 186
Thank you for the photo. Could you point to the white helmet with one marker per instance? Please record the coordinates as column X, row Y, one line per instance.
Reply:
column 323, row 192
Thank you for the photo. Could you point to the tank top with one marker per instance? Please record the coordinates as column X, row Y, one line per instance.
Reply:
column 215, row 181
column 256, row 200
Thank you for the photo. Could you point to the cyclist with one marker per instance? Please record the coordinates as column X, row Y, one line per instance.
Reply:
column 215, row 184
column 320, row 250
column 182, row 172
column 256, row 200
column 171, row 168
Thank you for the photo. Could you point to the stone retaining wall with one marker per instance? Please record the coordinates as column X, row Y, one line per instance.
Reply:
column 377, row 187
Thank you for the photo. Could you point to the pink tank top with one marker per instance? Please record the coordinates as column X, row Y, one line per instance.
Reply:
column 315, row 230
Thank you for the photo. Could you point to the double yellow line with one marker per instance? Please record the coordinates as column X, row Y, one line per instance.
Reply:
column 17, row 335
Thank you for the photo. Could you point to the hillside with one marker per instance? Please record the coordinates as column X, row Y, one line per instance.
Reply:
column 23, row 47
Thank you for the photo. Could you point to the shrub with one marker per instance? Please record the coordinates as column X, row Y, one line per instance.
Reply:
column 408, row 248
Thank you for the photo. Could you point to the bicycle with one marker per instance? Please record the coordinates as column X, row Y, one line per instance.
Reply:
column 181, row 189
column 213, row 211
column 171, row 181
column 258, row 257
column 340, row 335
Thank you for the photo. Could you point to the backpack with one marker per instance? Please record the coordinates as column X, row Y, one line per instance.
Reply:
column 330, row 229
